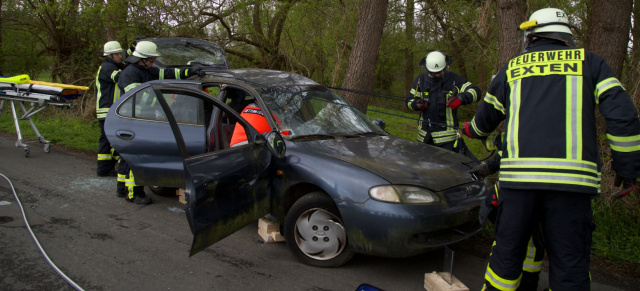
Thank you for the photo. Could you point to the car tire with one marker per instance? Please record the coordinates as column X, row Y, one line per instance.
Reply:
column 163, row 191
column 315, row 233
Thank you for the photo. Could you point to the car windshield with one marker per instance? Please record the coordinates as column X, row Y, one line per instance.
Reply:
column 316, row 112
column 189, row 53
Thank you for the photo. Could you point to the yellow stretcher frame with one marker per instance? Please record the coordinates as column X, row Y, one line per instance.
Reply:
column 38, row 103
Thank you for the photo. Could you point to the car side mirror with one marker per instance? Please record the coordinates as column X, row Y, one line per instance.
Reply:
column 275, row 143
column 380, row 123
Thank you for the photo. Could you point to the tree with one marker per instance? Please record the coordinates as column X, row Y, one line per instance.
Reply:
column 510, row 14
column 408, row 52
column 608, row 33
column 364, row 55
column 257, row 25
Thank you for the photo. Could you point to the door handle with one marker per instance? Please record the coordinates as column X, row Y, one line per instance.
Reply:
column 125, row 134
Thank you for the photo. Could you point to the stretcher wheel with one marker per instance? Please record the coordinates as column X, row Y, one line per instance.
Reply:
column 47, row 148
column 27, row 152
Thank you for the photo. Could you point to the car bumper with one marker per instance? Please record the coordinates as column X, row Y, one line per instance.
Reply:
column 401, row 230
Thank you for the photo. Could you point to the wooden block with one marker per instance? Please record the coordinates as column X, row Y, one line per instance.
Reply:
column 180, row 193
column 268, row 225
column 270, row 237
column 435, row 282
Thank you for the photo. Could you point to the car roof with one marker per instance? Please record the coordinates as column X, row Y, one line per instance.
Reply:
column 262, row 78
column 188, row 41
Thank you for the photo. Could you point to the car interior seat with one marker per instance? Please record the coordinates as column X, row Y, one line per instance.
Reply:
column 220, row 136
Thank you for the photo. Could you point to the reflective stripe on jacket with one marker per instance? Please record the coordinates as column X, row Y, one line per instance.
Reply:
column 134, row 75
column 548, row 97
column 107, row 91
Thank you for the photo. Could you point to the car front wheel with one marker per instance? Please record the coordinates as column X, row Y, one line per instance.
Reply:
column 315, row 233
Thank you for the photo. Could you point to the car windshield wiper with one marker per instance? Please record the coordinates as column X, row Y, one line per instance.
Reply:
column 314, row 136
column 362, row 134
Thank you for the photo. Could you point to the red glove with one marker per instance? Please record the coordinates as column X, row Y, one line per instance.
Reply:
column 628, row 184
column 466, row 130
column 421, row 104
column 454, row 102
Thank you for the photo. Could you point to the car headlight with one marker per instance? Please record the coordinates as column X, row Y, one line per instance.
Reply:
column 403, row 194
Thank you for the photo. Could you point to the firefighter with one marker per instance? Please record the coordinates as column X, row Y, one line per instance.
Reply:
column 532, row 265
column 550, row 165
column 436, row 94
column 253, row 114
column 107, row 92
column 140, row 70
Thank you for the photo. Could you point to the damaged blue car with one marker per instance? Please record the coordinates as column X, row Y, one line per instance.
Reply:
column 336, row 182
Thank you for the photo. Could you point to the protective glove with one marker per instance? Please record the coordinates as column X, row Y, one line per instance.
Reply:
column 194, row 70
column 482, row 170
column 466, row 129
column 454, row 102
column 628, row 184
column 421, row 104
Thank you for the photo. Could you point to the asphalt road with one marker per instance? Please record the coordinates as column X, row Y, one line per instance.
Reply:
column 102, row 242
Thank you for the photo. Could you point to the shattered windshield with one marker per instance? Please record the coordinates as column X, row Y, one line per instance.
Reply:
column 189, row 53
column 316, row 111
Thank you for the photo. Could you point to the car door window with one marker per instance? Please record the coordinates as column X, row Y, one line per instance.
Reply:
column 186, row 109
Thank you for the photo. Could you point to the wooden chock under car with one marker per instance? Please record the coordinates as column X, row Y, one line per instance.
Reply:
column 180, row 194
column 444, row 280
column 269, row 230
column 435, row 282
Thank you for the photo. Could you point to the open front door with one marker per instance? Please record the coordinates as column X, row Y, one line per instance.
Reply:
column 226, row 189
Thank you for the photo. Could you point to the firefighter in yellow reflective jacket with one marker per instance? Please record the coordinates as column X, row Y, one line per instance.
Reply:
column 436, row 94
column 550, row 166
column 140, row 70
column 107, row 92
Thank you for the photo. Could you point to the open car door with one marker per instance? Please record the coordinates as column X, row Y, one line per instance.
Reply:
column 229, row 188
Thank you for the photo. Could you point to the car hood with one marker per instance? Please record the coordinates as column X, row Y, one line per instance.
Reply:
column 398, row 160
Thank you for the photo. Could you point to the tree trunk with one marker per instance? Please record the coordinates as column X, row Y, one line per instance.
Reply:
column 610, row 37
column 116, row 18
column 483, row 32
column 364, row 55
column 1, row 53
column 633, row 86
column 510, row 14
column 408, row 52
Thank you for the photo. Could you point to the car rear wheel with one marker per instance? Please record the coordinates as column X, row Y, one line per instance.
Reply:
column 315, row 233
column 163, row 191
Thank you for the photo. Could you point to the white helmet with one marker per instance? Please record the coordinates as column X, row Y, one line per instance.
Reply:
column 112, row 47
column 145, row 49
column 547, row 20
column 435, row 62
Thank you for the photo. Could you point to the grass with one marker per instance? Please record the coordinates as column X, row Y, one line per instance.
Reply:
column 59, row 127
column 617, row 234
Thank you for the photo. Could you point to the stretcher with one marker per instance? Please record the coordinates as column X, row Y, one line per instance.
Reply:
column 20, row 90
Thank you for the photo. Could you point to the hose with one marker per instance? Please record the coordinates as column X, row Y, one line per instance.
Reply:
column 33, row 236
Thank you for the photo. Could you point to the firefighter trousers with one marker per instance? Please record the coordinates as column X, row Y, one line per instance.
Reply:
column 126, row 182
column 107, row 156
column 567, row 224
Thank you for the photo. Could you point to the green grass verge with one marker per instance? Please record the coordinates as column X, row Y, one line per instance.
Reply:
column 59, row 127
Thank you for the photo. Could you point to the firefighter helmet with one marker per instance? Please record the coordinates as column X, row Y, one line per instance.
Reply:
column 435, row 62
column 146, row 49
column 548, row 20
column 551, row 23
column 112, row 47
